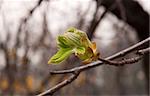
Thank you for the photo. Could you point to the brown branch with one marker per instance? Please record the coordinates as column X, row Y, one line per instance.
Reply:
column 45, row 31
column 126, row 61
column 143, row 51
column 76, row 71
column 51, row 91
column 122, row 62
column 8, row 55
column 132, row 7
column 24, row 21
column 95, row 22
column 121, row 9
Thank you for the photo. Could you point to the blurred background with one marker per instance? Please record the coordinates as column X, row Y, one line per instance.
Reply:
column 28, row 31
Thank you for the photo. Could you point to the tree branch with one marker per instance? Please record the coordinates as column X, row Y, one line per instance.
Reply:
column 24, row 21
column 51, row 91
column 122, row 62
column 95, row 22
column 76, row 71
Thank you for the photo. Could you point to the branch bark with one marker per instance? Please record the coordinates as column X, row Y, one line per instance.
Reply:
column 51, row 91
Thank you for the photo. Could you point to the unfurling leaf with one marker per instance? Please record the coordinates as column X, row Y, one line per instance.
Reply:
column 61, row 55
column 75, row 41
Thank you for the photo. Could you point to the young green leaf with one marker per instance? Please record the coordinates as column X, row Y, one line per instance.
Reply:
column 61, row 55
column 75, row 41
column 63, row 42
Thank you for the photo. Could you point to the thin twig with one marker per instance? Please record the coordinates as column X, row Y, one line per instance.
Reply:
column 51, row 91
column 143, row 51
column 24, row 22
column 95, row 22
column 121, row 9
column 122, row 62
